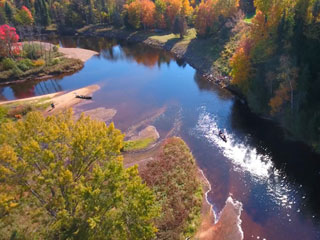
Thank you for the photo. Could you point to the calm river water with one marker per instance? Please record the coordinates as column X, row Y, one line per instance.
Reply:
column 276, row 180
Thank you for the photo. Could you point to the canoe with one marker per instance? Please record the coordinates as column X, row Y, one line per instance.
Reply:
column 223, row 137
column 84, row 97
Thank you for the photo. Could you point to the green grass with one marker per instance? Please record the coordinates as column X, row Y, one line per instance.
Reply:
column 248, row 19
column 24, row 107
column 136, row 145
column 63, row 65
column 35, row 102
column 191, row 34
column 52, row 27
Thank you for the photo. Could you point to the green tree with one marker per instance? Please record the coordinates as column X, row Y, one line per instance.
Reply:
column 71, row 172
column 42, row 12
column 24, row 17
column 9, row 11
column 3, row 17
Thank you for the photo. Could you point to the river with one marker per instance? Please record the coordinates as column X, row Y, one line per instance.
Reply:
column 276, row 180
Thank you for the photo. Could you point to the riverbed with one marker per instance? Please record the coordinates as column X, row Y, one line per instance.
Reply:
column 275, row 179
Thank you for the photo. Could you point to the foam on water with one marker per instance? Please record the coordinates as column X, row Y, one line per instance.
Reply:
column 246, row 159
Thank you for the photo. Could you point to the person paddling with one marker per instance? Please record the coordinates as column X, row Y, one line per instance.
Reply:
column 222, row 136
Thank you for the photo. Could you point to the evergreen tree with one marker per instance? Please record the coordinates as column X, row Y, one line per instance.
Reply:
column 27, row 3
column 42, row 12
column 3, row 17
column 9, row 11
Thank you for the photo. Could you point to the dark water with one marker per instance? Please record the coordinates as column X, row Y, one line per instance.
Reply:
column 277, row 181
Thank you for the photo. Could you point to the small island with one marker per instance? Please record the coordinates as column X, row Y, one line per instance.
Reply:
column 36, row 60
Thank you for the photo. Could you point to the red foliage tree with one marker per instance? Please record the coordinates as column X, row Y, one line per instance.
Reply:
column 24, row 17
column 9, row 46
column 148, row 13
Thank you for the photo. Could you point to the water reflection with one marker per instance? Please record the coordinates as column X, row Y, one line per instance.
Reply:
column 109, row 50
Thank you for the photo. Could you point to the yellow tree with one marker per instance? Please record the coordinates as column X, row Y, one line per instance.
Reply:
column 241, row 68
column 70, row 172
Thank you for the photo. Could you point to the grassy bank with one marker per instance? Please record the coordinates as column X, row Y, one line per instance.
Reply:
column 174, row 178
column 61, row 66
column 137, row 145
column 36, row 60
column 16, row 110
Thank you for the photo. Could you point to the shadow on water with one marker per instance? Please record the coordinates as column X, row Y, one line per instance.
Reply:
column 296, row 160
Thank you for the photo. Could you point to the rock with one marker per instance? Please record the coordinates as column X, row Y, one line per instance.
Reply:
column 101, row 114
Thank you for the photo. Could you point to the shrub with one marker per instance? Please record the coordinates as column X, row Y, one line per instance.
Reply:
column 137, row 145
column 55, row 48
column 39, row 63
column 3, row 114
column 25, row 64
column 17, row 71
column 20, row 110
column 32, row 51
column 173, row 176
column 55, row 61
column 8, row 64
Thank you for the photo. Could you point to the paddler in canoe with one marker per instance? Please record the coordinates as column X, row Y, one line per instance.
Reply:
column 222, row 136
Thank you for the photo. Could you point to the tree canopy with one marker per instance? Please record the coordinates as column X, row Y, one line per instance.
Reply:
column 67, row 175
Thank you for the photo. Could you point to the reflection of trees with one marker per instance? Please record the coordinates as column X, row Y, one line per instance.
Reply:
column 33, row 88
column 92, row 43
column 145, row 55
column 139, row 53
column 24, row 90
column 205, row 85
column 2, row 97
column 109, row 54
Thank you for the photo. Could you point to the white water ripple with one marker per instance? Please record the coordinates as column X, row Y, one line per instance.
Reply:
column 246, row 159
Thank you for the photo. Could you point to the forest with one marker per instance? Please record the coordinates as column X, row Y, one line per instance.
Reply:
column 271, row 51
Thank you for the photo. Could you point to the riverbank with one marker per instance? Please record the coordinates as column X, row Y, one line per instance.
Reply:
column 65, row 61
column 61, row 100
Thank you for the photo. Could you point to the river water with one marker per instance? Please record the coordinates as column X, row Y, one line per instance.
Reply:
column 276, row 180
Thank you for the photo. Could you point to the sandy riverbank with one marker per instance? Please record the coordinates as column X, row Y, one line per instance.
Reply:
column 76, row 53
column 68, row 100
column 61, row 100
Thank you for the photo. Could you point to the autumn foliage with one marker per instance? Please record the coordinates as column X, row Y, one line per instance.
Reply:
column 161, row 13
column 9, row 46
column 209, row 12
column 141, row 12
column 280, row 97
column 24, row 16
column 70, row 173
column 240, row 73
column 173, row 176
